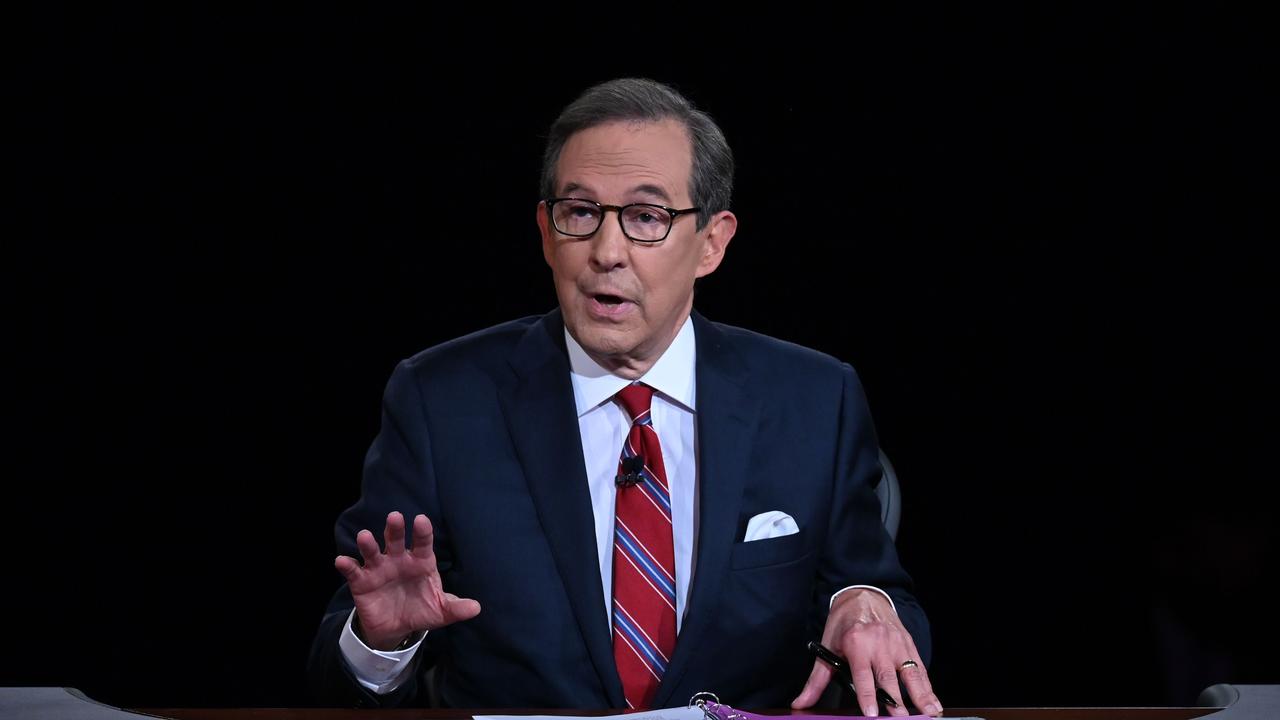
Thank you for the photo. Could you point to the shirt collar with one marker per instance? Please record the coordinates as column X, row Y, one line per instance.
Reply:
column 672, row 375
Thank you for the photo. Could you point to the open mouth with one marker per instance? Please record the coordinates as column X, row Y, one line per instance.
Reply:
column 607, row 306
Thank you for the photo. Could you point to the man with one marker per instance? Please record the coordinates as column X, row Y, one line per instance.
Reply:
column 620, row 503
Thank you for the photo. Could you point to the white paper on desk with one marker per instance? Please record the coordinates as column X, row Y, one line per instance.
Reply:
column 682, row 713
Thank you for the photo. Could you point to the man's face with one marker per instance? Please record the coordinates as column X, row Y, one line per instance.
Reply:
column 625, row 301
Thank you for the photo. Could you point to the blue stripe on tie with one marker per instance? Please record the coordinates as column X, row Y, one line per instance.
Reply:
column 656, row 491
column 638, row 551
column 632, row 547
column 648, row 651
column 662, row 495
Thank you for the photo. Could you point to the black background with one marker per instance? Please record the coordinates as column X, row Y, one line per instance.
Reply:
column 1037, row 235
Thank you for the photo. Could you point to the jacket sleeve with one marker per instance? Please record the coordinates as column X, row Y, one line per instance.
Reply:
column 397, row 476
column 858, row 550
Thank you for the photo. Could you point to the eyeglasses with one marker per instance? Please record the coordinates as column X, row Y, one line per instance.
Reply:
column 641, row 222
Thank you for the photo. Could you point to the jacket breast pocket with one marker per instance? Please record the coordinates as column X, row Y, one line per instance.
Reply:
column 772, row 551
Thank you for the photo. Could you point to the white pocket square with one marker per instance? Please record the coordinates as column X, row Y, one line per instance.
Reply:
column 772, row 524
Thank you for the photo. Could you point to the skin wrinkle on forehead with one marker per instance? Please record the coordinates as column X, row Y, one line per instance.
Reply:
column 640, row 171
column 654, row 189
column 622, row 162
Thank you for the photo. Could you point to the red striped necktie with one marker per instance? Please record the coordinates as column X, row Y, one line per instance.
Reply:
column 644, row 568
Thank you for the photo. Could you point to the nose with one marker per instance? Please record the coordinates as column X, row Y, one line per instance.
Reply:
column 609, row 247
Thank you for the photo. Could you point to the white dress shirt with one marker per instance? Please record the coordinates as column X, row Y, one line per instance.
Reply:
column 604, row 425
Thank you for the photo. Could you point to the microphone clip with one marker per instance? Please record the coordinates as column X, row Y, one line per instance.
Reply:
column 630, row 474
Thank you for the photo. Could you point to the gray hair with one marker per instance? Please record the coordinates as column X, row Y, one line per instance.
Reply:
column 711, row 180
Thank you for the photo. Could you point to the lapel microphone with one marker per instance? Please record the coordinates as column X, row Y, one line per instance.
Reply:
column 631, row 468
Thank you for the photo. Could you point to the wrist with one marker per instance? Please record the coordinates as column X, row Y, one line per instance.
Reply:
column 868, row 604
column 391, row 644
column 854, row 588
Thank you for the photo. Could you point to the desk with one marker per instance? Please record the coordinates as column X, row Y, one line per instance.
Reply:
column 420, row 714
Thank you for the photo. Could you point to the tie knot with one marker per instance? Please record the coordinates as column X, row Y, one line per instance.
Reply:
column 635, row 399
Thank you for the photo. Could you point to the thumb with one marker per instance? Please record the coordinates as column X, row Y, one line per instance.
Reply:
column 457, row 609
column 818, row 679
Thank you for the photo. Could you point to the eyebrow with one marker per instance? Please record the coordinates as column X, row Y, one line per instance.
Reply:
column 646, row 189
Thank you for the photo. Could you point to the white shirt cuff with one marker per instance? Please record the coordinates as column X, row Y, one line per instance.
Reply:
column 863, row 587
column 377, row 670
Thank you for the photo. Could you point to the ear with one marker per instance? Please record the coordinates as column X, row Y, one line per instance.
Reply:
column 719, row 231
column 544, row 228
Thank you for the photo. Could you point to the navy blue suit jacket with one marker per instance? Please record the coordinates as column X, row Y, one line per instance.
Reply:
column 481, row 434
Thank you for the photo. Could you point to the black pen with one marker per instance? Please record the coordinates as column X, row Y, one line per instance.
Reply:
column 841, row 669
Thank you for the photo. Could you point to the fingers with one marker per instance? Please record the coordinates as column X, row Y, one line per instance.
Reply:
column 423, row 537
column 920, row 689
column 393, row 534
column 813, row 687
column 457, row 609
column 348, row 566
column 887, row 678
column 369, row 549
column 864, row 684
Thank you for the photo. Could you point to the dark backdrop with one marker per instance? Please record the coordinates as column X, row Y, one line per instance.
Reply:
column 1037, row 235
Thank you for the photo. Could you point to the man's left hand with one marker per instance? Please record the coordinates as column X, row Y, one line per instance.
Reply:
column 863, row 627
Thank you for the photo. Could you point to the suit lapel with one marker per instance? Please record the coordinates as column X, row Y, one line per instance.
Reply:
column 542, row 419
column 726, row 426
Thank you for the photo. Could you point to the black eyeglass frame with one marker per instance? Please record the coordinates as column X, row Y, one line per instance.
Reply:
column 673, row 212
